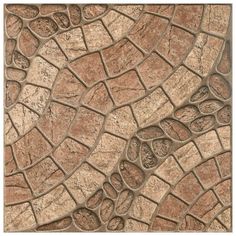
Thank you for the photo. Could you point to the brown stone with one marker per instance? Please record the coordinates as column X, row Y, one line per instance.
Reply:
column 30, row 148
column 28, row 43
column 132, row 174
column 154, row 70
column 75, row 14
column 224, row 65
column 224, row 161
column 86, row 219
column 132, row 10
column 56, row 225
column 121, row 56
column 175, row 44
column 116, row 224
column 208, row 173
column 106, row 209
column 189, row 16
column 109, row 190
column 187, row 113
column 15, row 74
column 191, row 224
column 61, row 19
column 12, row 92
column 161, row 224
column 210, row 106
column 68, row 88
column 86, row 126
column 225, row 136
column 116, row 181
column 164, row 10
column 224, row 115
column 13, row 25
column 46, row 9
column 219, row 86
column 93, row 11
column 132, row 225
column 88, row 72
column 124, row 201
column 216, row 226
column 44, row 26
column 23, row 10
column 202, row 123
column 55, row 122
column 10, row 47
column 226, row 218
column 9, row 131
column 70, row 154
column 95, row 200
column 188, row 188
column 126, row 88
column 133, row 149
column 21, row 61
column 201, row 94
column 150, row 132
column 148, row 158
column 175, row 129
column 172, row 208
column 161, row 147
column 9, row 161
column 223, row 190
column 44, row 175
column 16, row 189
column 147, row 31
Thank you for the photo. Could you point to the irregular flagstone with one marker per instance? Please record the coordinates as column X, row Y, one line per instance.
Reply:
column 10, row 132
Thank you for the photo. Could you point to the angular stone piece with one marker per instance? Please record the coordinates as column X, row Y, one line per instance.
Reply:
column 191, row 224
column 224, row 65
column 132, row 225
column 225, row 136
column 161, row 224
column 132, row 10
column 9, row 131
column 93, row 11
column 224, row 162
column 9, row 161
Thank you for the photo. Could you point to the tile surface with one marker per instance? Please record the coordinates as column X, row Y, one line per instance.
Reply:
column 118, row 118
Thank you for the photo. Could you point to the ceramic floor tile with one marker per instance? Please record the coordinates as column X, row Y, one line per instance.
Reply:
column 117, row 118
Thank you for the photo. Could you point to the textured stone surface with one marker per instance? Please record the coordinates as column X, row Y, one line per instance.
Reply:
column 117, row 117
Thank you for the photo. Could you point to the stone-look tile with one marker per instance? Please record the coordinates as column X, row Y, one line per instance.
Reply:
column 154, row 70
column 121, row 56
column 16, row 189
column 30, row 148
column 121, row 122
column 19, row 217
column 204, row 53
column 34, row 97
column 53, row 205
column 132, row 225
column 172, row 208
column 93, row 11
column 88, row 72
column 169, row 170
column 9, row 131
column 15, row 74
column 96, row 36
column 117, row 24
column 225, row 162
column 142, row 209
column 41, row 73
column 181, row 85
column 84, row 181
column 23, row 10
column 21, row 61
column 98, row 98
column 86, row 126
column 70, row 154
column 13, row 25
column 75, row 14
column 188, row 188
column 208, row 173
column 216, row 226
column 44, row 175
column 10, row 47
column 225, row 136
column 223, row 190
column 126, row 88
column 164, row 10
column 47, row 9
column 107, row 153
column 72, row 43
column 23, row 118
column 68, row 88
column 51, row 51
column 216, row 19
column 161, row 224
column 188, row 156
column 9, row 161
column 62, row 19
column 12, row 92
column 191, row 224
column 153, row 107
column 225, row 218
column 133, row 10
column 56, row 121
column 225, row 63
column 188, row 16
column 147, row 31
column 208, row 144
column 155, row 189
column 175, row 44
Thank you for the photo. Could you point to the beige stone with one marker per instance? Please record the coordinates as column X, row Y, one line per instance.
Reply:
column 10, row 132
column 225, row 136
column 132, row 225
column 133, row 10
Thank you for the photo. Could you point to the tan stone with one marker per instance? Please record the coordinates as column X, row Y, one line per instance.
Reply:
column 93, row 10
column 46, row 9
column 225, row 218
column 188, row 156
column 75, row 14
column 154, row 70
column 12, row 92
column 133, row 10
column 15, row 74
column 155, row 189
column 53, row 205
column 107, row 153
column 225, row 162
column 132, row 225
column 208, row 144
column 13, row 25
column 121, row 122
column 181, row 85
column 9, row 48
column 84, row 181
column 72, row 43
column 216, row 226
column 23, row 10
column 169, row 170
column 126, row 88
column 164, row 10
column 153, row 107
column 41, row 73
column 9, row 161
column 61, row 19
column 19, row 217
column 86, row 126
column 21, row 61
column 224, row 191
column 96, row 36
column 225, row 63
column 117, row 24
column 44, row 175
column 225, row 136
column 191, row 224
column 10, row 132
column 204, row 53
column 142, row 209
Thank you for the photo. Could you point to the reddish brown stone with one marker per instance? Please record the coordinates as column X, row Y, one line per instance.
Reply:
column 133, row 149
column 93, row 11
column 161, row 147
column 161, row 224
column 15, row 74
column 116, row 224
column 124, row 201
column 106, row 209
column 56, row 225
column 95, row 200
column 109, row 190
column 202, row 123
column 187, row 113
column 210, row 106
column 150, row 132
column 201, row 94
column 10, row 47
column 225, row 63
column 61, row 19
column 13, row 25
column 21, row 61
column 46, row 9
column 10, row 164
column 24, row 10
column 223, row 190
column 224, row 115
column 75, row 14
column 191, row 224
column 148, row 158
column 12, row 92
column 165, row 10
column 116, row 181
column 224, row 161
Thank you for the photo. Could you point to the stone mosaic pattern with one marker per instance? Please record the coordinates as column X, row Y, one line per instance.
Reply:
column 118, row 118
